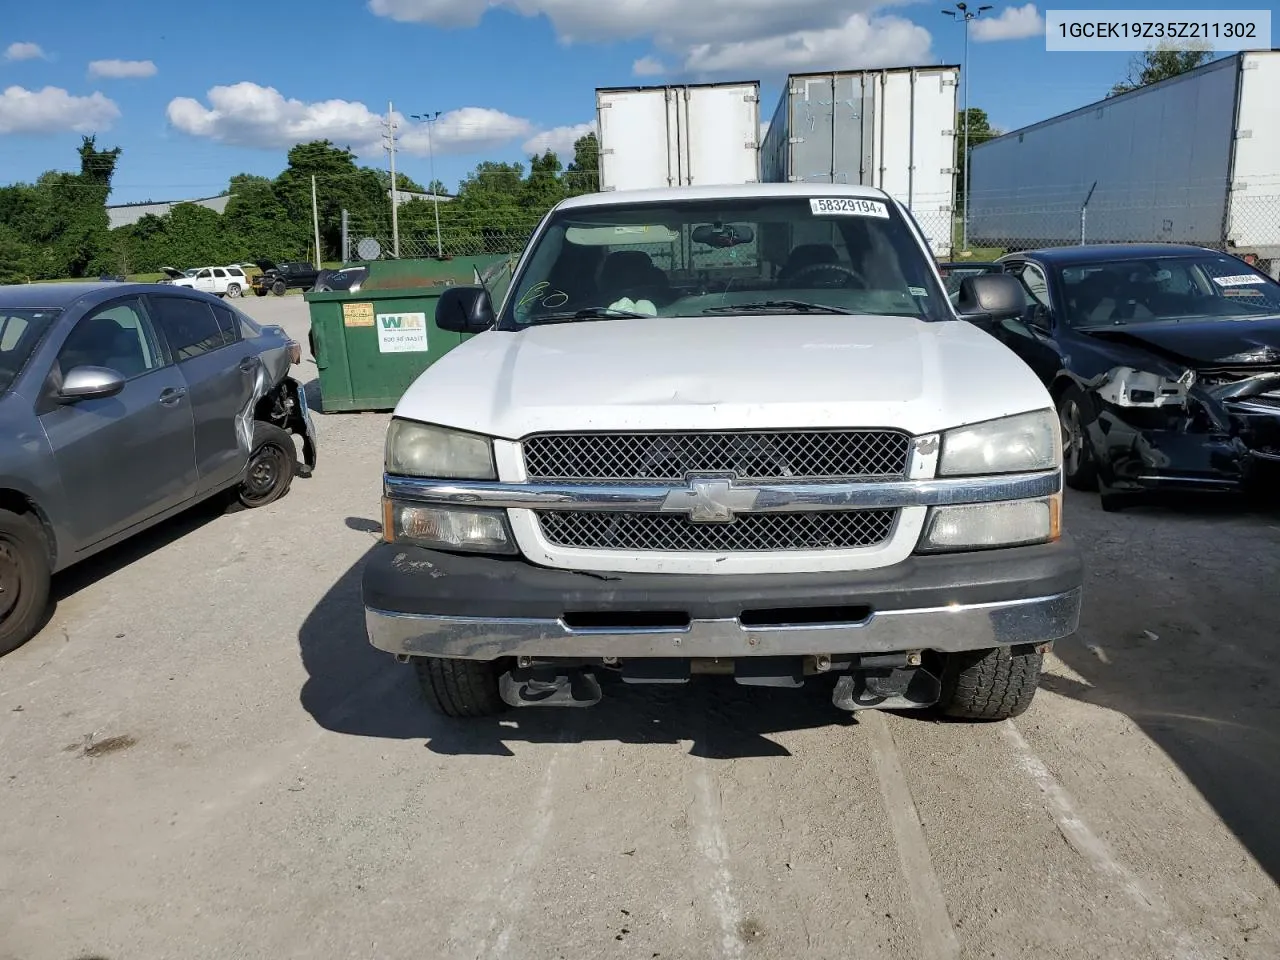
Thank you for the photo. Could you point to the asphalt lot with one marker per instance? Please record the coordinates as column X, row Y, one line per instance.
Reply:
column 201, row 756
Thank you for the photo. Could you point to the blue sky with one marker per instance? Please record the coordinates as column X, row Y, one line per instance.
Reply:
column 196, row 96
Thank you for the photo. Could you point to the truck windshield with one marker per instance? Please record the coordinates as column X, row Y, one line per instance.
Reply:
column 20, row 333
column 1166, row 288
column 696, row 258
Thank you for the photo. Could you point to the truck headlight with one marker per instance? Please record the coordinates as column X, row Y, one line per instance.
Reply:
column 423, row 450
column 1008, row 523
column 446, row 528
column 1024, row 442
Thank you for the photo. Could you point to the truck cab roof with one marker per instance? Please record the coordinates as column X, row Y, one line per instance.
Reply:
column 737, row 191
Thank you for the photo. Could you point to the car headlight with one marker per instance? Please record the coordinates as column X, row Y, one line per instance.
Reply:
column 446, row 528
column 422, row 450
column 1008, row 523
column 1024, row 442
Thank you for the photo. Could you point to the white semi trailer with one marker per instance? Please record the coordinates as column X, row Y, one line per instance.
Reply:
column 1193, row 159
column 686, row 135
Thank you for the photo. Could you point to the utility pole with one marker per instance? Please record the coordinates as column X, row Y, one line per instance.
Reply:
column 395, row 198
column 315, row 220
column 429, row 119
column 966, row 16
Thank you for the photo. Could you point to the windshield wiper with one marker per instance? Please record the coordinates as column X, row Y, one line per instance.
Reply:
column 588, row 313
column 777, row 306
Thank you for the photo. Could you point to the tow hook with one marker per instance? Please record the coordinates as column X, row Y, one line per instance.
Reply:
column 549, row 688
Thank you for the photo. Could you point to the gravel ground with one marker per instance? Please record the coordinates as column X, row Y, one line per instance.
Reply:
column 201, row 756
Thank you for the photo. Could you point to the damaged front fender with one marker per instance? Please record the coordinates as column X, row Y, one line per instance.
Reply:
column 1178, row 426
column 278, row 398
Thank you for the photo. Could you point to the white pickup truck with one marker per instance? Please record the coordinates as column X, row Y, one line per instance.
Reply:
column 735, row 430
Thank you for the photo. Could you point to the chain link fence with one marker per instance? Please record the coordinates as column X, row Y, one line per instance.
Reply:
column 1249, row 227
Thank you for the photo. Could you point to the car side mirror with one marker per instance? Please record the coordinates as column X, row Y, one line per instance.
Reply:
column 89, row 383
column 990, row 298
column 464, row 310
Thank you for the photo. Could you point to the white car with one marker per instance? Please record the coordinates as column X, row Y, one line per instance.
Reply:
column 734, row 430
column 220, row 281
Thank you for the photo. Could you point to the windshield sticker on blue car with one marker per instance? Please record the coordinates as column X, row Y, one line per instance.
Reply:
column 1240, row 280
column 848, row 207
column 918, row 291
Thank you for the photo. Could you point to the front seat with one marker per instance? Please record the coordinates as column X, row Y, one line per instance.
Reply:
column 104, row 343
column 808, row 255
column 632, row 273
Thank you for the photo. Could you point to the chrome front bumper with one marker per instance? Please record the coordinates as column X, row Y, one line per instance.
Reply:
column 946, row 629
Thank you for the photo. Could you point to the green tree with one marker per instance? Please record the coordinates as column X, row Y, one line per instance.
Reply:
column 980, row 131
column 583, row 175
column 340, row 185
column 1160, row 63
column 260, row 222
column 543, row 189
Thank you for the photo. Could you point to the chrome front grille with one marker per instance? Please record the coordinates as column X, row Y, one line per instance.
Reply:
column 749, row 456
column 802, row 530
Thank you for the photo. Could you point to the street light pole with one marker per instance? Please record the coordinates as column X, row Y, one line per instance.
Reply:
column 429, row 119
column 966, row 16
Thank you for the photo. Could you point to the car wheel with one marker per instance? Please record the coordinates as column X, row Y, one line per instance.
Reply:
column 24, row 579
column 271, row 468
column 993, row 684
column 1079, row 467
column 460, row 688
column 279, row 289
column 233, row 290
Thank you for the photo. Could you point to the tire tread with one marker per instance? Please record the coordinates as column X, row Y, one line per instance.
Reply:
column 990, row 684
column 460, row 688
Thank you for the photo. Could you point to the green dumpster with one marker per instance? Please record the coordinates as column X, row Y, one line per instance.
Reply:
column 372, row 343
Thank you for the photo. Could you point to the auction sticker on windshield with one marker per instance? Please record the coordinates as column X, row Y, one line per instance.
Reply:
column 848, row 206
column 1240, row 280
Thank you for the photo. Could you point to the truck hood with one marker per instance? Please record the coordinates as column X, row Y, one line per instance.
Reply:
column 725, row 373
column 1201, row 343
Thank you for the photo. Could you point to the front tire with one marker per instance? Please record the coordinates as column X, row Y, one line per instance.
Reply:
column 271, row 468
column 1079, row 466
column 460, row 688
column 993, row 684
column 279, row 289
column 24, row 579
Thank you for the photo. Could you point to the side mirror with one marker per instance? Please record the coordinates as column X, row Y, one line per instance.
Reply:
column 991, row 297
column 464, row 310
column 88, row 383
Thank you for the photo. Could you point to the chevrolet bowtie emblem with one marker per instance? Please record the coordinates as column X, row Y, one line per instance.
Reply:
column 710, row 500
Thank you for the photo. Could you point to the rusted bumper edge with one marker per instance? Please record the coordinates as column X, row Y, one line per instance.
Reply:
column 419, row 606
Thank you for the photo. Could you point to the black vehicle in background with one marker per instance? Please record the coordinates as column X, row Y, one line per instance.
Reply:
column 1163, row 361
column 279, row 278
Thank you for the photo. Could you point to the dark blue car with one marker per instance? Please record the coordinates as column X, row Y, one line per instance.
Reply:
column 1164, row 362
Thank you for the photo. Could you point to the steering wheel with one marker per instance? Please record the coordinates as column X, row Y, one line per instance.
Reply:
column 844, row 273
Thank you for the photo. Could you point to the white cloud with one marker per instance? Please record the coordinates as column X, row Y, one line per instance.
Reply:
column 1013, row 23
column 860, row 40
column 53, row 110
column 122, row 69
column 24, row 51
column 648, row 67
column 249, row 115
column 559, row 140
column 673, row 24
column 465, row 130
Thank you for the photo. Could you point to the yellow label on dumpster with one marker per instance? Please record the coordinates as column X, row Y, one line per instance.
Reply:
column 357, row 314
